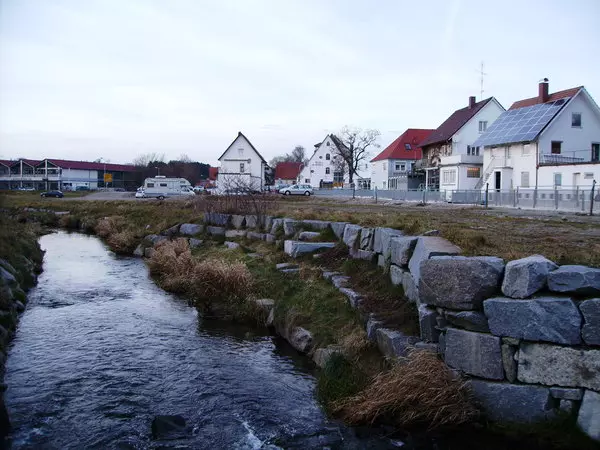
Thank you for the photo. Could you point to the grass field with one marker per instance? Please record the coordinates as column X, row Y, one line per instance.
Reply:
column 510, row 234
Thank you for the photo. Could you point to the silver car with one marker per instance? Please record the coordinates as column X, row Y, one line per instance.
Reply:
column 297, row 189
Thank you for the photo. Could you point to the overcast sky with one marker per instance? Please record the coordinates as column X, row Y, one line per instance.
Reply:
column 115, row 79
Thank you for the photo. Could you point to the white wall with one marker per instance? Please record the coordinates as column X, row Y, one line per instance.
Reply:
column 520, row 157
column 316, row 169
column 573, row 138
column 240, row 151
column 469, row 133
column 379, row 174
column 581, row 175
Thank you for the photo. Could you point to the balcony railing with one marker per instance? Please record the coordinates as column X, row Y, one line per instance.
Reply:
column 571, row 157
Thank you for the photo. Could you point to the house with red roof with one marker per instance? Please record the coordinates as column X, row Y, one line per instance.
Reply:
column 550, row 141
column 451, row 159
column 394, row 167
column 64, row 174
column 287, row 172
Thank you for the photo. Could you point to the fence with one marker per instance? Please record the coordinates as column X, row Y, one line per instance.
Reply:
column 575, row 199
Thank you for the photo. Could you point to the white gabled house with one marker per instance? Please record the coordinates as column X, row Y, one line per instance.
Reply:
column 325, row 168
column 242, row 166
column 451, row 157
column 547, row 141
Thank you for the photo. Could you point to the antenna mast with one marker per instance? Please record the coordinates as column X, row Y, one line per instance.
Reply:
column 482, row 75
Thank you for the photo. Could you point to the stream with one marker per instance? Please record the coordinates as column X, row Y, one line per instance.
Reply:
column 101, row 350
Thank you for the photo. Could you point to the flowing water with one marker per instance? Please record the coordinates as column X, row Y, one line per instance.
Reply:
column 101, row 350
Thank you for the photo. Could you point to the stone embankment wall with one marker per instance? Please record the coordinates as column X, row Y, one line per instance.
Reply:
column 14, row 282
column 526, row 332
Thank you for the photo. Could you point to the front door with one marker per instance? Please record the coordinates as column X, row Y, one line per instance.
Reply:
column 595, row 152
column 576, row 179
column 497, row 180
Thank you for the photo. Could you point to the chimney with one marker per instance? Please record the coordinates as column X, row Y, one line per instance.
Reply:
column 543, row 91
column 471, row 102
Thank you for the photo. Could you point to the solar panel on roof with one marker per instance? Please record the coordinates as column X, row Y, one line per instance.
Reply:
column 520, row 125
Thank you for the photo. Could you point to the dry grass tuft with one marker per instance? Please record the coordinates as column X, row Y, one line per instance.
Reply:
column 353, row 341
column 203, row 281
column 121, row 242
column 421, row 390
column 106, row 226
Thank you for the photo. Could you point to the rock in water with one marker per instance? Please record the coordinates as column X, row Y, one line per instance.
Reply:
column 169, row 427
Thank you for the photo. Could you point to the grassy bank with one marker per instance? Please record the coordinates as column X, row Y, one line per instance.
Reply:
column 564, row 238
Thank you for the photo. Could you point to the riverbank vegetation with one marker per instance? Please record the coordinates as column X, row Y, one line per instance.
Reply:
column 510, row 234
column 357, row 384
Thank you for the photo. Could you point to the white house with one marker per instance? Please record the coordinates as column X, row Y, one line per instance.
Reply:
column 325, row 168
column 451, row 158
column 242, row 167
column 394, row 167
column 547, row 141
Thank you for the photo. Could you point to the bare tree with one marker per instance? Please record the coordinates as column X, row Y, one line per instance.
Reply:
column 297, row 155
column 147, row 158
column 354, row 147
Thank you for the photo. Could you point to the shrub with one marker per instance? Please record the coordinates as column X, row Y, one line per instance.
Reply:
column 419, row 390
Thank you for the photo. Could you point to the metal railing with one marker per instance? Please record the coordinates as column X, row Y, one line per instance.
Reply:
column 591, row 155
column 576, row 199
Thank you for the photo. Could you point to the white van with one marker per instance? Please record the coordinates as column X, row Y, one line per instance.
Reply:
column 161, row 187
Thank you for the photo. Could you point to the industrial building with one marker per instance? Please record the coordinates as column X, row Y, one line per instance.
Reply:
column 65, row 175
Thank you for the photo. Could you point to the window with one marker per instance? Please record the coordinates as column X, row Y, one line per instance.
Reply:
column 242, row 167
column 399, row 166
column 407, row 146
column 241, row 151
column 327, row 170
column 588, row 176
column 596, row 152
column 163, row 184
column 472, row 150
column 482, row 126
column 576, row 120
column 556, row 147
column 525, row 179
column 448, row 176
column 327, row 156
column 327, row 143
column 150, row 185
column 307, row 180
column 526, row 149
column 473, row 172
column 558, row 179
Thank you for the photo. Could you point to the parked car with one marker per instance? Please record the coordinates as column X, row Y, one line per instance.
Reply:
column 26, row 189
column 140, row 194
column 82, row 188
column 55, row 194
column 297, row 189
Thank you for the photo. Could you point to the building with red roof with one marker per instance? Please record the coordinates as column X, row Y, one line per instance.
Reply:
column 451, row 160
column 287, row 172
column 393, row 168
column 64, row 174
